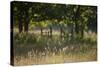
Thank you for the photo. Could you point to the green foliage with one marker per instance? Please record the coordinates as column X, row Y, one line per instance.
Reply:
column 82, row 17
column 24, row 38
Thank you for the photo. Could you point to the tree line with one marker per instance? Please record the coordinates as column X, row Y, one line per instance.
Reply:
column 78, row 17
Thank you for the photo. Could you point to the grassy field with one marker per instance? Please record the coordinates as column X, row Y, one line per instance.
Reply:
column 30, row 48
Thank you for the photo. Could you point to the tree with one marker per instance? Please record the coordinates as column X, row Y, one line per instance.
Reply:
column 21, row 13
column 77, row 17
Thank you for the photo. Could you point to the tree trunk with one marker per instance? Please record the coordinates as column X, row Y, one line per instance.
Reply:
column 20, row 24
column 76, row 28
column 50, row 31
column 26, row 25
column 41, row 31
column 72, row 31
column 82, row 31
column 26, row 21
column 61, row 32
column 76, row 17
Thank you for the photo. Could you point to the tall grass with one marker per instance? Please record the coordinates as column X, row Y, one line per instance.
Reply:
column 32, row 48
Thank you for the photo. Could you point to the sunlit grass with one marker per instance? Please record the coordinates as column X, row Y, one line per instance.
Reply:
column 59, row 58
